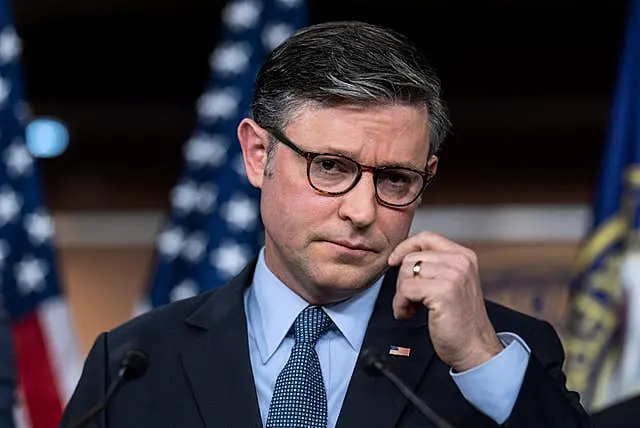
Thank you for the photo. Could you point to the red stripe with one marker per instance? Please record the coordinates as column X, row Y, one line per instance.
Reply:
column 35, row 374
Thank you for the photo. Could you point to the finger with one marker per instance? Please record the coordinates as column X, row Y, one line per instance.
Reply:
column 428, row 270
column 422, row 241
column 411, row 294
column 403, row 308
column 457, row 261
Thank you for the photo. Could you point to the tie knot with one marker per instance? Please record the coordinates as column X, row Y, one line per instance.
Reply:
column 311, row 323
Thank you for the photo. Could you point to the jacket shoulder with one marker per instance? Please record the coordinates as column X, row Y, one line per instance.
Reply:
column 500, row 313
column 156, row 325
column 538, row 334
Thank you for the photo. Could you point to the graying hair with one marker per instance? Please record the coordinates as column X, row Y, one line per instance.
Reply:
column 343, row 63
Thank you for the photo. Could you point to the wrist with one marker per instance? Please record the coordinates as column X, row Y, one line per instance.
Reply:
column 479, row 355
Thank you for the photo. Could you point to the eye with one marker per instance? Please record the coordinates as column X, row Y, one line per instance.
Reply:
column 397, row 178
column 332, row 165
column 328, row 165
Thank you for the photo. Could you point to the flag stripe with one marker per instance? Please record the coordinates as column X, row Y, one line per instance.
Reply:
column 35, row 373
column 59, row 339
column 46, row 357
column 20, row 414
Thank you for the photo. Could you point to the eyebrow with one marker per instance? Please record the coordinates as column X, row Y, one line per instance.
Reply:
column 401, row 165
column 384, row 165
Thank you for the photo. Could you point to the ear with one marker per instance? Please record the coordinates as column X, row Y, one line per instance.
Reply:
column 432, row 165
column 254, row 142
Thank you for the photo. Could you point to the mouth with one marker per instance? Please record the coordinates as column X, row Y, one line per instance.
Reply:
column 353, row 246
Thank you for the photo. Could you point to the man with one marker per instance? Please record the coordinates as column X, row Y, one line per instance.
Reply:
column 346, row 122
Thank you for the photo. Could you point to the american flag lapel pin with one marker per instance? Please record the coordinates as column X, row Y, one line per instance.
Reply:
column 399, row 351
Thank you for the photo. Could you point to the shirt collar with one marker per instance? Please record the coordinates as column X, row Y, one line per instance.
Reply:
column 352, row 316
column 277, row 307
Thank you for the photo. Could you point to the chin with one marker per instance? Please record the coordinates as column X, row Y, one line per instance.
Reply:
column 344, row 280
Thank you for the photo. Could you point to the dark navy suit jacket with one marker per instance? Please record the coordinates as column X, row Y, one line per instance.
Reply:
column 200, row 375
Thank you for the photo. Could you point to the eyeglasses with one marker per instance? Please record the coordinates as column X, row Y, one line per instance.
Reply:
column 335, row 174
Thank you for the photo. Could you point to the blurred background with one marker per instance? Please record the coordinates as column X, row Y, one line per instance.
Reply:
column 531, row 86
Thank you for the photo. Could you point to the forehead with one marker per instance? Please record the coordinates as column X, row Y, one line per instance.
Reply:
column 370, row 133
column 312, row 111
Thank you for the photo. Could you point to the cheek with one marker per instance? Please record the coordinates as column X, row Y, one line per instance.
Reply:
column 310, row 214
column 395, row 224
column 293, row 207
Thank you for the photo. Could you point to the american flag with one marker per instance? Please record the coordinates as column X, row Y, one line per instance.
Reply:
column 399, row 351
column 47, row 361
column 215, row 227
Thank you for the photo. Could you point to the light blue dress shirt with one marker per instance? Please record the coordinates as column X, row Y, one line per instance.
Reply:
column 271, row 309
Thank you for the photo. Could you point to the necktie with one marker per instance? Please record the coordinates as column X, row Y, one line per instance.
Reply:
column 299, row 398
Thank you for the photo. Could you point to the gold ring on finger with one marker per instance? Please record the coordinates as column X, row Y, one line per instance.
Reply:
column 417, row 267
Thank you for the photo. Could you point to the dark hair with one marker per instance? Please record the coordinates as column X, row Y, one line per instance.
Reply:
column 338, row 63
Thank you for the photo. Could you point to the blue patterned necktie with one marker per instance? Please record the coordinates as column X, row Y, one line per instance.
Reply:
column 299, row 398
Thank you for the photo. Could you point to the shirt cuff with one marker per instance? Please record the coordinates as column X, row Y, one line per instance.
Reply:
column 493, row 386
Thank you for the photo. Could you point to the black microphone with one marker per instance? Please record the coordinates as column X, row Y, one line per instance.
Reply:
column 374, row 365
column 133, row 365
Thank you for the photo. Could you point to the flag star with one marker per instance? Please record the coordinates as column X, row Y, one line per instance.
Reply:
column 188, row 196
column 202, row 150
column 10, row 45
column 39, row 226
column 184, row 197
column 18, row 159
column 273, row 35
column 219, row 104
column 5, row 249
column 230, row 58
column 10, row 205
column 30, row 275
column 230, row 258
column 207, row 197
column 240, row 212
column 184, row 290
column 194, row 246
column 5, row 90
column 241, row 15
column 169, row 242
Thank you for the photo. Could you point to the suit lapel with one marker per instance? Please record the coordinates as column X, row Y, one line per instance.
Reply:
column 217, row 361
column 374, row 401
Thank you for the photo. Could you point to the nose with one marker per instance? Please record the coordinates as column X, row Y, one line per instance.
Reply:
column 359, row 205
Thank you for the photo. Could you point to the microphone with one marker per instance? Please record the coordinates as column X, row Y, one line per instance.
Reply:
column 373, row 365
column 133, row 365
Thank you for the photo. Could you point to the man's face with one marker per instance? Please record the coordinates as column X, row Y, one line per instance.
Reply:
column 327, row 248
